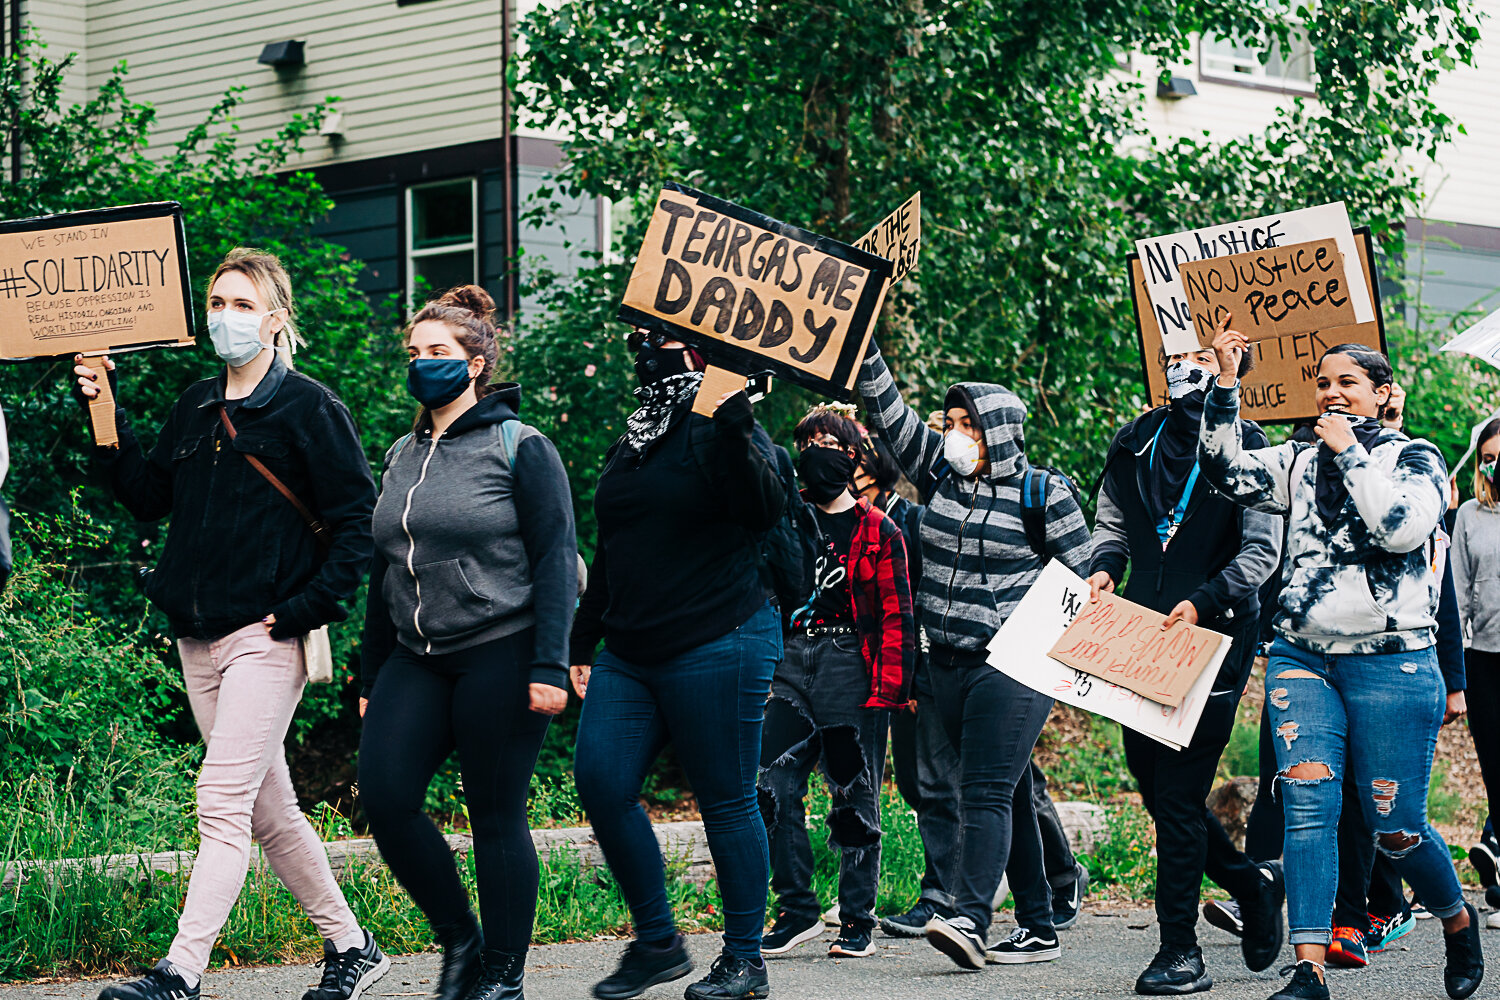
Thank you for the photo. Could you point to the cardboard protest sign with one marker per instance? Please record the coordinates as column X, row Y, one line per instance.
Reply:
column 1298, row 288
column 1482, row 340
column 1020, row 651
column 1163, row 256
column 753, row 294
column 897, row 237
column 1124, row 643
column 1281, row 388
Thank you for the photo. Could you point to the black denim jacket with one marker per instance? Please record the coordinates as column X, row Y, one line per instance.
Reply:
column 236, row 549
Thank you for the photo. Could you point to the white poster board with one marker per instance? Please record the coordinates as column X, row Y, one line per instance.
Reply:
column 1161, row 256
column 1019, row 650
column 1482, row 340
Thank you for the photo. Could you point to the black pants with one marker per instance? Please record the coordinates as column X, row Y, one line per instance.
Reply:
column 1174, row 785
column 1368, row 882
column 994, row 721
column 423, row 708
column 1483, row 698
column 1265, row 830
column 926, row 768
column 1057, row 854
column 815, row 716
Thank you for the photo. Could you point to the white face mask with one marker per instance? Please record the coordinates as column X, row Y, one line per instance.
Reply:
column 236, row 336
column 962, row 452
column 1185, row 377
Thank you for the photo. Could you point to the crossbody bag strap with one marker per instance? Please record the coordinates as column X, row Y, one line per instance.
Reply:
column 320, row 530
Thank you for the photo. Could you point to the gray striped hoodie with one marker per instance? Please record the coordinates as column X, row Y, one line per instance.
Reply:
column 976, row 562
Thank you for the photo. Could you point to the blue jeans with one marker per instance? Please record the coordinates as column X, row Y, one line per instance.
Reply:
column 1378, row 715
column 708, row 702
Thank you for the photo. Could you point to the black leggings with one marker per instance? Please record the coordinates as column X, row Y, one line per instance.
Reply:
column 423, row 707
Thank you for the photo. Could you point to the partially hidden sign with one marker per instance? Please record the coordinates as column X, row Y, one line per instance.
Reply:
column 753, row 294
column 108, row 279
column 1282, row 386
column 1125, row 644
column 1298, row 288
column 1482, row 340
column 1163, row 256
column 897, row 237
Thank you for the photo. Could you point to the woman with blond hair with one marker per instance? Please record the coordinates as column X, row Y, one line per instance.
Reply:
column 246, row 572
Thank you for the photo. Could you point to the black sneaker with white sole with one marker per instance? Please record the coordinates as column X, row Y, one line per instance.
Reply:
column 1022, row 947
column 959, row 939
column 347, row 974
column 1485, row 857
column 161, row 983
column 788, row 932
column 913, row 923
column 732, row 978
column 853, row 941
column 1068, row 904
column 1225, row 915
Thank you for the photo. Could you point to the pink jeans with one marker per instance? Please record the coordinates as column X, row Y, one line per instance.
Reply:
column 244, row 689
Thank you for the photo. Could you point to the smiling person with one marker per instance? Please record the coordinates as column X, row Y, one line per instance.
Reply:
column 241, row 578
column 1194, row 555
column 466, row 634
column 1353, row 679
column 992, row 521
column 690, row 644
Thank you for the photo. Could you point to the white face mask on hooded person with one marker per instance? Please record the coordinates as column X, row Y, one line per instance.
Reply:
column 962, row 452
column 236, row 336
column 1185, row 378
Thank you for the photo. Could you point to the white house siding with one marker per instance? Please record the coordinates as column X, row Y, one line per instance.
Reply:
column 63, row 26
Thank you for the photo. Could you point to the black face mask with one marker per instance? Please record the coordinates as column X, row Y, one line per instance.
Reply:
column 825, row 472
column 652, row 364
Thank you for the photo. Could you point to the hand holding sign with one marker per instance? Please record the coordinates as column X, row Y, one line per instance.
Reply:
column 1300, row 288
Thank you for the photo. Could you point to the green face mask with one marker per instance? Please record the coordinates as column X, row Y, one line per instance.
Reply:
column 1487, row 470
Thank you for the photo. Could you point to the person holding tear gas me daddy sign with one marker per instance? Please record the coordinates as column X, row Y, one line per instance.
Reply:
column 241, row 578
column 1193, row 555
column 992, row 521
column 1353, row 679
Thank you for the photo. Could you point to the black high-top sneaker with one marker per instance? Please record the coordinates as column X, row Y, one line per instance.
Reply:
column 502, row 977
column 463, row 958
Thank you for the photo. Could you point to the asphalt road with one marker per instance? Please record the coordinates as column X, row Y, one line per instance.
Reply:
column 1101, row 957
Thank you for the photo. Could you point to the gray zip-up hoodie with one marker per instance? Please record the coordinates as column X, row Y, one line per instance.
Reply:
column 471, row 547
column 1476, row 574
column 976, row 561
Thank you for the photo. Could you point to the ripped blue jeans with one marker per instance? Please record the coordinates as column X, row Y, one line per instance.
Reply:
column 1379, row 716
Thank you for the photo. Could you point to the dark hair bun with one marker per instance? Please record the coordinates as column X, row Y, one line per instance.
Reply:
column 471, row 297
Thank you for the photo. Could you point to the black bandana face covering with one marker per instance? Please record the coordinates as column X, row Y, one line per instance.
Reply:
column 825, row 472
column 652, row 364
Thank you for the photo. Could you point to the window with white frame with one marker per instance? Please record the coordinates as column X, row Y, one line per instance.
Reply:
column 442, row 237
column 1283, row 67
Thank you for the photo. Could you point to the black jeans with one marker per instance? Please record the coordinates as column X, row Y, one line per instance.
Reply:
column 1057, row 854
column 1483, row 698
column 814, row 716
column 1174, row 785
column 1368, row 882
column 926, row 768
column 994, row 721
column 423, row 708
column 709, row 702
column 1265, row 830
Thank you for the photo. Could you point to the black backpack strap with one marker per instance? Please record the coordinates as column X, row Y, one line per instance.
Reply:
column 1034, row 508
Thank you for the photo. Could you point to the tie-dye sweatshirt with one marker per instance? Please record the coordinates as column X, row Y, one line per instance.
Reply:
column 1363, row 583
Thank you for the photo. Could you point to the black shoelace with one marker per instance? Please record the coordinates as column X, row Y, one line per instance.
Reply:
column 724, row 970
column 493, row 975
column 340, row 972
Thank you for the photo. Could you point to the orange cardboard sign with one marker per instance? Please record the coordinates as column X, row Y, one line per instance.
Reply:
column 1124, row 643
column 1298, row 288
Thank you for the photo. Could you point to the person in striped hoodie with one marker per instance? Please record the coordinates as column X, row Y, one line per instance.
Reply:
column 977, row 561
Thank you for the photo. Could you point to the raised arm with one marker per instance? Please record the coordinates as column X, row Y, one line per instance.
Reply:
column 915, row 445
column 1400, row 509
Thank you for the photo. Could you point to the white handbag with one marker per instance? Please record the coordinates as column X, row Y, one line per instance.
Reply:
column 317, row 656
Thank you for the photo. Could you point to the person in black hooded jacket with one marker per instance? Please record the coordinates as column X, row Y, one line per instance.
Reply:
column 471, row 599
column 1193, row 555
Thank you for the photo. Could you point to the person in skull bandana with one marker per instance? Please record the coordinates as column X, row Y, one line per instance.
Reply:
column 848, row 664
column 1197, row 556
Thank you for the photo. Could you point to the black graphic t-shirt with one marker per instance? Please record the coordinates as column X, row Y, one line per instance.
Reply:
column 830, row 604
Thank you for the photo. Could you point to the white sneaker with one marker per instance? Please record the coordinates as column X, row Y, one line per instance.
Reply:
column 1493, row 921
column 831, row 917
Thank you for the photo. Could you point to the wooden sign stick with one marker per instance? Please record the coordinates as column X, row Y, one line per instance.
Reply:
column 102, row 406
column 716, row 382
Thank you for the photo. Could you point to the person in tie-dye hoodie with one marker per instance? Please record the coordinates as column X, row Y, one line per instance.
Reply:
column 1353, row 678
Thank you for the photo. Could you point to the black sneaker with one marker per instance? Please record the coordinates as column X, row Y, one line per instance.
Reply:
column 347, row 974
column 161, row 983
column 1225, row 915
column 1485, row 857
column 642, row 967
column 1022, row 948
column 1173, row 972
column 730, row 979
column 1306, row 983
column 959, row 939
column 1464, row 969
column 788, row 933
column 853, row 941
column 502, row 978
column 912, row 923
column 1067, row 905
column 1264, row 928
